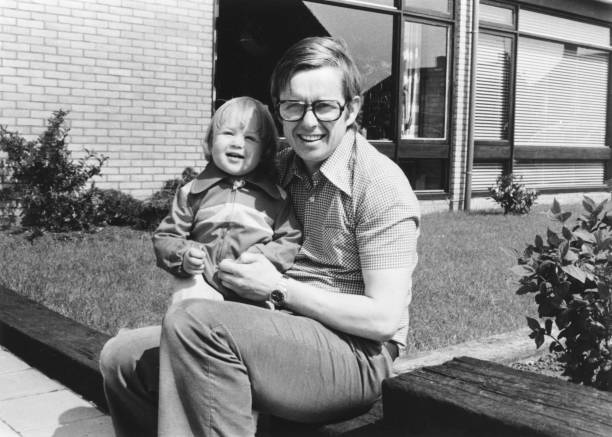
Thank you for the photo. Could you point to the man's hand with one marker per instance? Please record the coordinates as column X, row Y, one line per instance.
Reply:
column 252, row 276
column 193, row 261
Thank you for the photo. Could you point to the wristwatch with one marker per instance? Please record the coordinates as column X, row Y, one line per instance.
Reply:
column 278, row 296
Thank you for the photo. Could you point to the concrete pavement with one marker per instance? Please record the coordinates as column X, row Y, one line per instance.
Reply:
column 33, row 405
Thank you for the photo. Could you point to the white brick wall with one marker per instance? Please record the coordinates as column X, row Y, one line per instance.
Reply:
column 136, row 76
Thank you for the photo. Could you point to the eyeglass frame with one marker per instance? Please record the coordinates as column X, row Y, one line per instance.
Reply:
column 310, row 106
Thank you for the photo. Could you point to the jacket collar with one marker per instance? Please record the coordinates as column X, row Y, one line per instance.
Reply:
column 212, row 175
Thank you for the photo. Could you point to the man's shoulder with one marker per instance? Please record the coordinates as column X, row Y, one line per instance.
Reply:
column 372, row 165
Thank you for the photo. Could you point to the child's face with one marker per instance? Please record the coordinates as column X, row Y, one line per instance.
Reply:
column 237, row 147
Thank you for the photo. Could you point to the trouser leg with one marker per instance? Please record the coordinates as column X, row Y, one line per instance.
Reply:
column 224, row 358
column 130, row 366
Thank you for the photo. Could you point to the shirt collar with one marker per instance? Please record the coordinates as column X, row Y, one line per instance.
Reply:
column 212, row 175
column 336, row 168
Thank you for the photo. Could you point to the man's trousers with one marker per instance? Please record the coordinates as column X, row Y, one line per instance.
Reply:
column 219, row 361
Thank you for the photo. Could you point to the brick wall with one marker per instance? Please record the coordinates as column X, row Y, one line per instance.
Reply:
column 136, row 76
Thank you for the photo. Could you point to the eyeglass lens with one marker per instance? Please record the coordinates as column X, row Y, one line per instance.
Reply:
column 324, row 110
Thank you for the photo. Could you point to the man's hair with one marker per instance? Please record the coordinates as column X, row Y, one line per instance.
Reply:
column 310, row 54
column 239, row 108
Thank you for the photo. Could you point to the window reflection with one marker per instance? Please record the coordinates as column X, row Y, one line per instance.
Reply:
column 253, row 35
column 425, row 174
column 424, row 81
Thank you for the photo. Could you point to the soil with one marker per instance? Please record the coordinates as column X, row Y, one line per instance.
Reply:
column 545, row 365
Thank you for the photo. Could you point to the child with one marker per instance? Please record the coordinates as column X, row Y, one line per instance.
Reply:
column 233, row 206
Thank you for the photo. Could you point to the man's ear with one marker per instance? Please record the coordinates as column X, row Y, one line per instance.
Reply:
column 353, row 108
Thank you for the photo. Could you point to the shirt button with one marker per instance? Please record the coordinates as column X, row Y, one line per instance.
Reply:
column 311, row 199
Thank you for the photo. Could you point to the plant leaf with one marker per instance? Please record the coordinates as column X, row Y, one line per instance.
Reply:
column 533, row 324
column 575, row 272
column 556, row 207
column 588, row 204
column 584, row 235
column 539, row 339
column 604, row 290
column 548, row 326
column 553, row 238
column 567, row 234
column 539, row 242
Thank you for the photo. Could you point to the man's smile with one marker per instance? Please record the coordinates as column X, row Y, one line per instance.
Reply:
column 311, row 137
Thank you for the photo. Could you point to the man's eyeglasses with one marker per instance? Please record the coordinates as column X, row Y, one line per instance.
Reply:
column 323, row 110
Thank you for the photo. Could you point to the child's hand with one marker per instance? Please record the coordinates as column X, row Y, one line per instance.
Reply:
column 193, row 261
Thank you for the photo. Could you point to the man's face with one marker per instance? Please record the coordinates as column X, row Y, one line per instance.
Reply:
column 313, row 140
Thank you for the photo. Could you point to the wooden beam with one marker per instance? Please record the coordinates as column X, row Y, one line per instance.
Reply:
column 61, row 348
column 561, row 153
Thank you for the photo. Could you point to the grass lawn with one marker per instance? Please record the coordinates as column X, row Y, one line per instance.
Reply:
column 462, row 288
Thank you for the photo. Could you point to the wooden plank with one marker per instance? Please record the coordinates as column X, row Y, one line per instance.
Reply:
column 542, row 397
column 61, row 348
column 481, row 396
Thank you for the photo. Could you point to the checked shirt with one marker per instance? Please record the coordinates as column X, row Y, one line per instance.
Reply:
column 358, row 212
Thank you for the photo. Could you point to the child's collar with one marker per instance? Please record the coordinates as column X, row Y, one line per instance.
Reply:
column 212, row 175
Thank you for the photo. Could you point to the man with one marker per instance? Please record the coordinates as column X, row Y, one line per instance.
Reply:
column 343, row 305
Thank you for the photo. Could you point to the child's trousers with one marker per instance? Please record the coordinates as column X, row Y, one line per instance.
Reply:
column 220, row 360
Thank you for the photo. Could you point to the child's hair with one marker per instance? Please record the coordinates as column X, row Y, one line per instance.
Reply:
column 239, row 107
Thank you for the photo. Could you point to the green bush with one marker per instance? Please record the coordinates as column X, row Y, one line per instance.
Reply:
column 513, row 196
column 47, row 183
column 156, row 207
column 119, row 209
column 571, row 275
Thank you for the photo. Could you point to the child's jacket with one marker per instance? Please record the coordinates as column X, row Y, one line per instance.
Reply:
column 225, row 216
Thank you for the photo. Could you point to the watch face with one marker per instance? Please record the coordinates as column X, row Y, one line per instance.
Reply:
column 277, row 297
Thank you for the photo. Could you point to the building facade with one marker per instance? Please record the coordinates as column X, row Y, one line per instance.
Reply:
column 456, row 91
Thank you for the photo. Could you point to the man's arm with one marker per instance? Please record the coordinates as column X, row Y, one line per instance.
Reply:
column 375, row 316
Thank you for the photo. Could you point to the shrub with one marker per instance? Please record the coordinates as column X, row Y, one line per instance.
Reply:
column 571, row 274
column 157, row 206
column 119, row 209
column 48, row 184
column 511, row 195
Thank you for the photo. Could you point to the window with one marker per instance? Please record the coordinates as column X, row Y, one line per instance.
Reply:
column 253, row 35
column 442, row 6
column 424, row 90
column 492, row 87
column 496, row 15
column 561, row 97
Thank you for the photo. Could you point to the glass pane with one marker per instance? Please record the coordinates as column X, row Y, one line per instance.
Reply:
column 431, row 5
column 425, row 174
column 561, row 95
column 424, row 81
column 496, row 14
column 373, row 57
column 379, row 2
column 251, row 37
column 492, row 87
column 564, row 28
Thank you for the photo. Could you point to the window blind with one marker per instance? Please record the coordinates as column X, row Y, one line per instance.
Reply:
column 561, row 94
column 492, row 87
column 563, row 28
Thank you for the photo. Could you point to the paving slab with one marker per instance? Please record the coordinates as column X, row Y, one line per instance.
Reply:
column 26, row 383
column 47, row 411
column 96, row 427
column 7, row 431
column 10, row 363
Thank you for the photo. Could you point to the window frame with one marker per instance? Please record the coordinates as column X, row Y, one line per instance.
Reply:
column 488, row 150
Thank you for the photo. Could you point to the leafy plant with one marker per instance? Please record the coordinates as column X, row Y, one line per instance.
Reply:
column 48, row 185
column 119, row 209
column 512, row 195
column 571, row 274
column 157, row 206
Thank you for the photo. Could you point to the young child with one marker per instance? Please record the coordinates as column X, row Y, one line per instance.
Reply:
column 233, row 206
